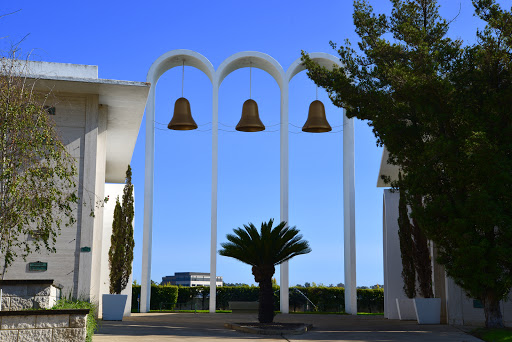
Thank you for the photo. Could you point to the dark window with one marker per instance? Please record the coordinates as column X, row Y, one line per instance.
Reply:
column 50, row 110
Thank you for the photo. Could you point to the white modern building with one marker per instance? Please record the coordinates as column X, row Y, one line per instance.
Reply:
column 191, row 279
column 99, row 121
column 456, row 307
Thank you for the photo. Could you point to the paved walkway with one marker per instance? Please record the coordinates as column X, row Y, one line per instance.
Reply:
column 207, row 327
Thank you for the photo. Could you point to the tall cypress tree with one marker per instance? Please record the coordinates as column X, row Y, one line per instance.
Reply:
column 406, row 248
column 120, row 255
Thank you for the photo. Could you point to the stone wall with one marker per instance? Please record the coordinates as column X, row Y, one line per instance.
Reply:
column 28, row 294
column 43, row 325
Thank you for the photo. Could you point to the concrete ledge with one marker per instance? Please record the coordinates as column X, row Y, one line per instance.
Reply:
column 270, row 328
column 26, row 294
column 43, row 325
column 29, row 282
column 45, row 312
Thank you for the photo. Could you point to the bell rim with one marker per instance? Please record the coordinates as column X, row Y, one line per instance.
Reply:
column 250, row 129
column 175, row 127
column 316, row 129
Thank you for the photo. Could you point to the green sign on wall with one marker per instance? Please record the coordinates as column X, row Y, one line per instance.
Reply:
column 37, row 266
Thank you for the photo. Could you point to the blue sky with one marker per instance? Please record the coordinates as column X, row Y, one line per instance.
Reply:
column 124, row 38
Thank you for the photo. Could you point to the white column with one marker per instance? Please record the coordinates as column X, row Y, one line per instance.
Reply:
column 145, row 293
column 284, row 283
column 349, row 215
column 87, row 225
column 213, row 238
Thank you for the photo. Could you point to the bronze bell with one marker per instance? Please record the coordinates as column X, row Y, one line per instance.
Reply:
column 317, row 121
column 182, row 119
column 250, row 120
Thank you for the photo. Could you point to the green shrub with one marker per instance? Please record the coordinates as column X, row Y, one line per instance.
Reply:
column 72, row 303
column 332, row 299
column 162, row 296
column 135, row 298
column 370, row 300
column 186, row 295
column 326, row 299
column 226, row 294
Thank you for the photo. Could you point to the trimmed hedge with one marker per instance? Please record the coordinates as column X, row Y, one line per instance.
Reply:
column 328, row 299
column 226, row 294
column 187, row 294
column 370, row 300
column 332, row 299
column 162, row 297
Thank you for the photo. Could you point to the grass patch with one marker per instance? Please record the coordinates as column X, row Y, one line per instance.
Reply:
column 190, row 311
column 92, row 325
column 317, row 313
column 371, row 313
column 337, row 313
column 276, row 312
column 493, row 335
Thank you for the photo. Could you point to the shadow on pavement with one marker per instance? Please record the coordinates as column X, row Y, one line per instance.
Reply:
column 210, row 327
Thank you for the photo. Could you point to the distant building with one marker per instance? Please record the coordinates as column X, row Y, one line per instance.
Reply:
column 190, row 279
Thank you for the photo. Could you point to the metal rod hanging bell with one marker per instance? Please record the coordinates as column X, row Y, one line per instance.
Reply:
column 182, row 118
column 250, row 120
column 317, row 121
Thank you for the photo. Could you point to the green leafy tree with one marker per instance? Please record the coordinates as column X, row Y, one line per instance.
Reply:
column 38, row 193
column 443, row 111
column 263, row 250
column 120, row 255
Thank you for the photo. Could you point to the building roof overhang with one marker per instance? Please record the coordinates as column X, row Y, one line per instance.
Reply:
column 386, row 169
column 126, row 101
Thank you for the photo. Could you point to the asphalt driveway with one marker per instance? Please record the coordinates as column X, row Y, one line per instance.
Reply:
column 210, row 327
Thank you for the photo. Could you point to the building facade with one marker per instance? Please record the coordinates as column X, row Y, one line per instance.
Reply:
column 456, row 307
column 190, row 279
column 98, row 120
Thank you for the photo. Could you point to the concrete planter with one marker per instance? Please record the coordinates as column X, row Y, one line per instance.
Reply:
column 113, row 307
column 428, row 310
column 405, row 308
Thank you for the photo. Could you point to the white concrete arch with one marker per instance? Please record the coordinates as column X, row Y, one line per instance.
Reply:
column 255, row 59
column 271, row 66
column 167, row 61
column 323, row 59
column 266, row 63
column 176, row 58
column 349, row 237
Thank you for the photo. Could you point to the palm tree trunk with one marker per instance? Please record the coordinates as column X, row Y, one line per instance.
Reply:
column 263, row 275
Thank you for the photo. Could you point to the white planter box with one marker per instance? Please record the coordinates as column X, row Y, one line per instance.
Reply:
column 113, row 307
column 428, row 310
column 405, row 308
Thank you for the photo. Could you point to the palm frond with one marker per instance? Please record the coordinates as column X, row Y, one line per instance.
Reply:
column 269, row 246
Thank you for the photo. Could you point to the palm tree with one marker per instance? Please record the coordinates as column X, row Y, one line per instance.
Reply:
column 263, row 250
